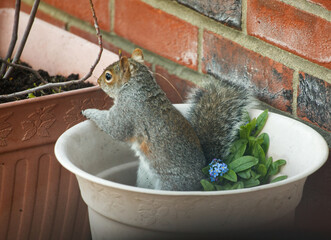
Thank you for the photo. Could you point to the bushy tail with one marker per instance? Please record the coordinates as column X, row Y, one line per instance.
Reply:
column 218, row 111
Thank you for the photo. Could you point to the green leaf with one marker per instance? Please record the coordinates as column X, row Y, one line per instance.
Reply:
column 31, row 95
column 207, row 186
column 268, row 167
column 268, row 162
column 280, row 178
column 237, row 145
column 255, row 175
column 218, row 187
column 273, row 170
column 252, row 125
column 245, row 174
column 251, row 183
column 240, row 149
column 244, row 132
column 251, row 144
column 238, row 185
column 265, row 143
column 227, row 186
column 260, row 122
column 231, row 176
column 259, row 153
column 261, row 170
column 279, row 162
column 205, row 170
column 275, row 166
column 243, row 163
column 237, row 149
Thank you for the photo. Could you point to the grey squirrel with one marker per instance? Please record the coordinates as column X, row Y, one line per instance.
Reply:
column 172, row 150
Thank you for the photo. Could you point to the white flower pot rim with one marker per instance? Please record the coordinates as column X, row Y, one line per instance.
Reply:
column 302, row 175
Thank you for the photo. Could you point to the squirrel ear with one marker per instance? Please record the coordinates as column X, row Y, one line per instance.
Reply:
column 137, row 55
column 120, row 54
column 124, row 63
column 125, row 68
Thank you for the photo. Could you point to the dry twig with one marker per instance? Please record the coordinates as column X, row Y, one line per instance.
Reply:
column 13, row 36
column 25, row 36
column 36, row 73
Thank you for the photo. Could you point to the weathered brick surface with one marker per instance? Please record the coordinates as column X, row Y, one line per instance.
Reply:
column 292, row 29
column 157, row 31
column 81, row 9
column 314, row 103
column 271, row 80
column 224, row 11
column 176, row 88
column 324, row 3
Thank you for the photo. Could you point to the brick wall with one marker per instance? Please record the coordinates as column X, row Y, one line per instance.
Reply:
column 282, row 47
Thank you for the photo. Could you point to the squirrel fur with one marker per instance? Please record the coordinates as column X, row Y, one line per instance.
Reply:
column 172, row 150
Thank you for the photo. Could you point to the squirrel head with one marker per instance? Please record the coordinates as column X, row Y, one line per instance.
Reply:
column 119, row 73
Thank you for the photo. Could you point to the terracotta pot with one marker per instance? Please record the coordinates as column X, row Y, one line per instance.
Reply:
column 38, row 198
column 106, row 172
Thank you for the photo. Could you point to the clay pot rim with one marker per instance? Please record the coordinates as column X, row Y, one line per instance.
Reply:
column 49, row 97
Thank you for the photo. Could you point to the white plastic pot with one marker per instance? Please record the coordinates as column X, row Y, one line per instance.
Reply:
column 106, row 172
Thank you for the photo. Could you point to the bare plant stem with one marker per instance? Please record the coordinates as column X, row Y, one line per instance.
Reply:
column 98, row 33
column 25, row 36
column 62, row 84
column 13, row 37
column 36, row 73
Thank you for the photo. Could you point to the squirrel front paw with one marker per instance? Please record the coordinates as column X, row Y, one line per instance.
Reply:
column 99, row 117
column 95, row 115
column 88, row 113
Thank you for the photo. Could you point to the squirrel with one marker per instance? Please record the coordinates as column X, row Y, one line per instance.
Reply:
column 172, row 149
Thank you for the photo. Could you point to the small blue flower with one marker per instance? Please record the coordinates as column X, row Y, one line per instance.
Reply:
column 218, row 168
column 215, row 160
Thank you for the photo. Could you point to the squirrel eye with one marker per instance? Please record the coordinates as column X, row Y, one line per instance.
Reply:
column 108, row 76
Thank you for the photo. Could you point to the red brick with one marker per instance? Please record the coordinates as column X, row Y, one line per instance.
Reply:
column 7, row 4
column 314, row 102
column 44, row 16
column 324, row 3
column 157, row 31
column 175, row 87
column 292, row 29
column 271, row 81
column 81, row 9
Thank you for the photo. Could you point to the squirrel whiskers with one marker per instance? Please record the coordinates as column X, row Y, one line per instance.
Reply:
column 173, row 87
